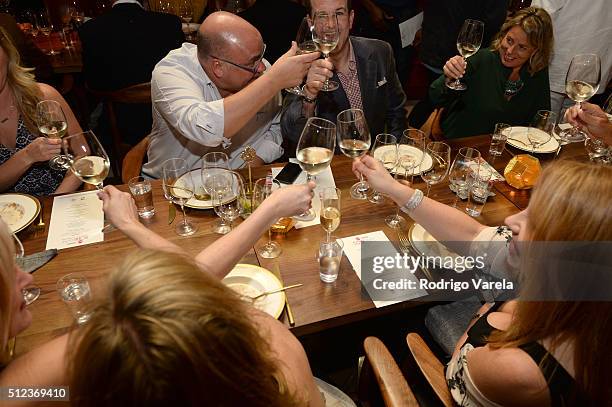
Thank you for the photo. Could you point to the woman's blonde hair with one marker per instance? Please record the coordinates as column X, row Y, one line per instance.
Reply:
column 21, row 81
column 7, row 283
column 571, row 202
column 537, row 25
column 168, row 334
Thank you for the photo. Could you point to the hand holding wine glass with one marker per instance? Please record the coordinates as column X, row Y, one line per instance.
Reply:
column 468, row 43
column 306, row 45
column 325, row 35
column 262, row 190
column 354, row 142
column 51, row 122
column 178, row 188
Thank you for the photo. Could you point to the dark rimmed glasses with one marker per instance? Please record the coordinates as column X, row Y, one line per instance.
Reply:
column 252, row 69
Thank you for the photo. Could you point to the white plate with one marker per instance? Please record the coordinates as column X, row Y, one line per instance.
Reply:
column 198, row 189
column 520, row 133
column 249, row 280
column 405, row 149
column 426, row 245
column 18, row 210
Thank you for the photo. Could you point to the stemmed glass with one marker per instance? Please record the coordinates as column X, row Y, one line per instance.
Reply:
column 581, row 82
column 468, row 43
column 466, row 162
column 262, row 189
column 325, row 35
column 30, row 294
column 51, row 122
column 440, row 154
column 306, row 45
column 215, row 179
column 410, row 154
column 229, row 202
column 185, row 11
column 541, row 128
column 178, row 188
column 45, row 27
column 330, row 210
column 354, row 141
column 385, row 151
column 314, row 152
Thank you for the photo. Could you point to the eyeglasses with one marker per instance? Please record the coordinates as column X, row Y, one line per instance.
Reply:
column 252, row 69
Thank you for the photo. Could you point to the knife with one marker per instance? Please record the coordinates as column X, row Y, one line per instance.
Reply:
column 171, row 213
column 287, row 306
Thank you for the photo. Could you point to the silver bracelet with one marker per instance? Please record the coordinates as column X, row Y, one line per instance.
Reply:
column 414, row 201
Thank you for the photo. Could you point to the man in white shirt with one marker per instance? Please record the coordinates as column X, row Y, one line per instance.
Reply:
column 579, row 28
column 220, row 95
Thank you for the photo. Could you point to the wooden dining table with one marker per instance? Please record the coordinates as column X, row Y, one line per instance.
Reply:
column 316, row 306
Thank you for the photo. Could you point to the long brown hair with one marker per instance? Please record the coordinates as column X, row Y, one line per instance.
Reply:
column 168, row 334
column 7, row 284
column 570, row 203
column 21, row 81
column 537, row 25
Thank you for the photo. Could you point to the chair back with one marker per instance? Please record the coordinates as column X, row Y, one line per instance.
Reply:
column 132, row 162
column 432, row 126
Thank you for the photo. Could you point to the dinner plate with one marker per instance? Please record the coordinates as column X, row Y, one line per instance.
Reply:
column 426, row 245
column 194, row 202
column 380, row 152
column 518, row 139
column 249, row 281
column 18, row 210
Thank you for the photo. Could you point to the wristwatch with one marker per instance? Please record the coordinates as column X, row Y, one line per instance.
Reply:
column 306, row 98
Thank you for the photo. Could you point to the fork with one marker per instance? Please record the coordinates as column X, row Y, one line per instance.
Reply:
column 41, row 223
column 275, row 291
column 519, row 141
column 406, row 247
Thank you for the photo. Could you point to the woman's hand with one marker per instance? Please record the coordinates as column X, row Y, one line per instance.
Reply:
column 455, row 67
column 119, row 207
column 292, row 200
column 42, row 149
column 591, row 118
column 376, row 174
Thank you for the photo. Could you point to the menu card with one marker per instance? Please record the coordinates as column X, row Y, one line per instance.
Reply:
column 352, row 250
column 76, row 220
column 324, row 179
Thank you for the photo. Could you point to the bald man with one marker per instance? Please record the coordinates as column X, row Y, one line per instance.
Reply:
column 220, row 95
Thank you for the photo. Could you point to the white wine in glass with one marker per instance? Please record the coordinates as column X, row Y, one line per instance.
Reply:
column 306, row 45
column 581, row 82
column 325, row 35
column 330, row 214
column 178, row 187
column 354, row 142
column 88, row 159
column 51, row 122
column 385, row 151
column 262, row 189
column 468, row 43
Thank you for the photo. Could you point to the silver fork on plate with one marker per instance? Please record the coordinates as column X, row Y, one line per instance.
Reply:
column 406, row 247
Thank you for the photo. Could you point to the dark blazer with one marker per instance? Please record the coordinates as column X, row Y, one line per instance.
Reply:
column 120, row 49
column 381, row 94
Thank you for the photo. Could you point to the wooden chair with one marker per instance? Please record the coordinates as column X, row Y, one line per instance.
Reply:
column 432, row 126
column 132, row 162
column 136, row 94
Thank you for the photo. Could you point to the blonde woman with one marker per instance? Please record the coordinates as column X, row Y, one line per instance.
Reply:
column 528, row 352
column 24, row 155
column 507, row 83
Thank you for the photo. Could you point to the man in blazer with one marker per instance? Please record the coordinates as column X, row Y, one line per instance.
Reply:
column 365, row 70
column 120, row 49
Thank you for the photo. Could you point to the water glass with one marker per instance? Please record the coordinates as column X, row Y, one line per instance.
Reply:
column 142, row 192
column 74, row 290
column 598, row 151
column 480, row 185
column 330, row 255
column 499, row 138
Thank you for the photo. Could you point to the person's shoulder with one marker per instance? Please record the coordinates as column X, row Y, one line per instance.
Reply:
column 370, row 46
column 507, row 376
column 48, row 91
column 180, row 61
column 164, row 18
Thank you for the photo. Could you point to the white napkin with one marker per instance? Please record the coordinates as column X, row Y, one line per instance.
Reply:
column 324, row 180
column 352, row 250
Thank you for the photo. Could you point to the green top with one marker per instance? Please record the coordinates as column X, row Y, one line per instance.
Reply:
column 476, row 110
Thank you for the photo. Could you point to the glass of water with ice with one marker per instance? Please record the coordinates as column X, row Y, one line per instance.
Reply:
column 330, row 255
column 74, row 290
column 142, row 192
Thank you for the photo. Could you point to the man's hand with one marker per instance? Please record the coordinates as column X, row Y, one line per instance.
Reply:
column 42, row 149
column 319, row 72
column 289, row 70
column 591, row 118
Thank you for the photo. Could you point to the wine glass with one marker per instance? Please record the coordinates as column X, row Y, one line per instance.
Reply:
column 468, row 43
column 466, row 161
column 410, row 154
column 325, row 34
column 306, row 45
column 185, row 12
column 385, row 151
column 354, row 141
column 330, row 210
column 581, row 82
column 598, row 151
column 314, row 152
column 232, row 6
column 262, row 189
column 440, row 154
column 30, row 294
column 51, row 122
column 229, row 203
column 88, row 159
column 541, row 128
column 45, row 27
column 213, row 179
column 178, row 188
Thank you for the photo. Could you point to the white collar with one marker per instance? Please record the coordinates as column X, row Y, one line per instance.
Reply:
column 127, row 2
